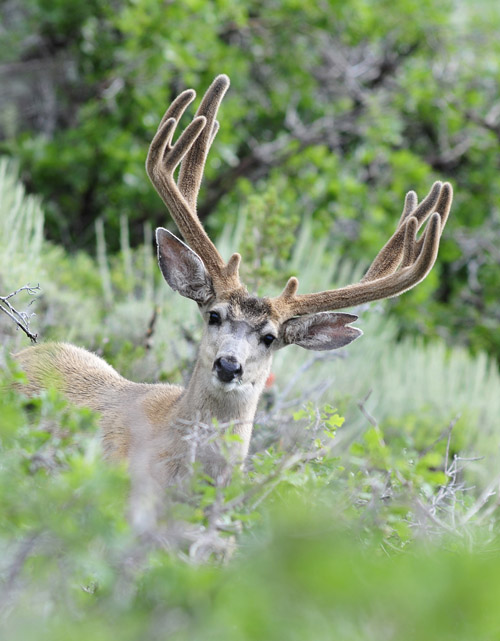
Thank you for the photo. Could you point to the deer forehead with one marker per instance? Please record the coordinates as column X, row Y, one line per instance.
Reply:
column 256, row 312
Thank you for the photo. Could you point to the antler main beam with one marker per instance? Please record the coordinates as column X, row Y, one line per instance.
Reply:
column 190, row 151
column 401, row 264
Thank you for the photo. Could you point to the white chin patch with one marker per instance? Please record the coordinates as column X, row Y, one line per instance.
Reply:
column 226, row 387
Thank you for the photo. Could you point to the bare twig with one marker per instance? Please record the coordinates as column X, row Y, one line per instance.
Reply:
column 490, row 490
column 299, row 373
column 362, row 406
column 445, row 434
column 148, row 338
column 21, row 319
column 431, row 515
column 15, row 568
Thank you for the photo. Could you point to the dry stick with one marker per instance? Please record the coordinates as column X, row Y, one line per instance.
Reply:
column 372, row 420
column 446, row 433
column 436, row 520
column 26, row 547
column 21, row 319
column 487, row 512
column 304, row 367
column 489, row 491
column 364, row 411
column 148, row 338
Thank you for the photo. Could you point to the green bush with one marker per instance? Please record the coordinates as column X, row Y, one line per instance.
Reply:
column 382, row 525
column 338, row 109
column 373, row 541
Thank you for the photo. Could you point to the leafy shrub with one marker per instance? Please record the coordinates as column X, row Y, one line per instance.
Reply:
column 339, row 110
column 324, row 527
column 379, row 526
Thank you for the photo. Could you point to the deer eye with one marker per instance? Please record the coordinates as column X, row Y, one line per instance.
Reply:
column 214, row 318
column 268, row 339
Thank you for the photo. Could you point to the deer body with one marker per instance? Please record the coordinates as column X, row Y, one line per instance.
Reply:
column 176, row 425
column 168, row 428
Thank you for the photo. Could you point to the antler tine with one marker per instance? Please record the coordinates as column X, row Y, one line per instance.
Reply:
column 191, row 171
column 389, row 257
column 190, row 150
column 414, row 258
column 178, row 106
column 443, row 206
column 411, row 202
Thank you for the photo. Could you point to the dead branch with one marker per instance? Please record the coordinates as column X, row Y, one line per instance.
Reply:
column 21, row 319
column 148, row 338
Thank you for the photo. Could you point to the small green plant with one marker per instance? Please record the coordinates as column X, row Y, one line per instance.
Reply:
column 371, row 528
column 309, row 516
column 267, row 240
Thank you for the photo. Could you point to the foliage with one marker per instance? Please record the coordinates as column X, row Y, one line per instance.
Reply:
column 340, row 517
column 368, row 508
column 267, row 240
column 338, row 108
column 120, row 307
column 335, row 530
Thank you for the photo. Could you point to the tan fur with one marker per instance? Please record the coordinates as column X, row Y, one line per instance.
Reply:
column 166, row 427
column 88, row 381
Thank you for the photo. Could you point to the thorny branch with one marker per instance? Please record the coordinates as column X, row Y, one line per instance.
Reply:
column 21, row 319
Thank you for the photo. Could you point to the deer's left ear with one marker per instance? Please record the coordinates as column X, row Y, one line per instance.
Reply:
column 322, row 331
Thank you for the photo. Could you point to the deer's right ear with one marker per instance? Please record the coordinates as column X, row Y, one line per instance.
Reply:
column 183, row 270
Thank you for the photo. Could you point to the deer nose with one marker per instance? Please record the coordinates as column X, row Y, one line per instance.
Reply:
column 227, row 369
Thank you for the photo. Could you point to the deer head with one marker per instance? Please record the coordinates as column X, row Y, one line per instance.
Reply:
column 243, row 331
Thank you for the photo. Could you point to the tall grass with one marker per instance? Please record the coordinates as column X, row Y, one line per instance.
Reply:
column 21, row 230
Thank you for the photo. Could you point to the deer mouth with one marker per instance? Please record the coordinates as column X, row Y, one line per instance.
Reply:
column 232, row 388
column 226, row 387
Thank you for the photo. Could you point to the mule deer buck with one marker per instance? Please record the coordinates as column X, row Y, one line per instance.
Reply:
column 241, row 331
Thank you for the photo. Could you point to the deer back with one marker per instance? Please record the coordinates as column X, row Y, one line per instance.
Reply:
column 86, row 380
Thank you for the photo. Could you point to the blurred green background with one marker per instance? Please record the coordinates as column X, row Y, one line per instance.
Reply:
column 340, row 107
column 336, row 109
